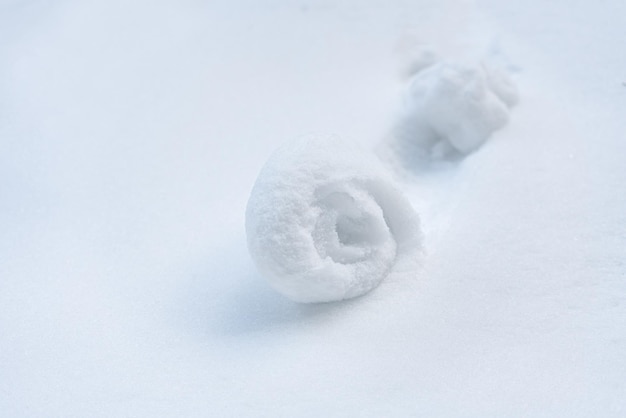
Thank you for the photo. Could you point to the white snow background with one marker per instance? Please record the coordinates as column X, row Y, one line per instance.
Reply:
column 131, row 134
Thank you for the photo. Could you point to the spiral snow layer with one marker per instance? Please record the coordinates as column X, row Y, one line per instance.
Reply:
column 450, row 110
column 324, row 223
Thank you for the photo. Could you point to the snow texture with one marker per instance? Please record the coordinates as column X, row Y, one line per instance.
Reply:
column 324, row 224
column 451, row 110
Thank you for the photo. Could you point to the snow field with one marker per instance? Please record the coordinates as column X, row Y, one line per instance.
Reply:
column 132, row 133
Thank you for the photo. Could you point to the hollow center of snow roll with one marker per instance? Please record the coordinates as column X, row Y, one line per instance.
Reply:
column 350, row 225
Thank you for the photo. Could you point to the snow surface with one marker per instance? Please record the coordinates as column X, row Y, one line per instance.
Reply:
column 131, row 134
column 325, row 223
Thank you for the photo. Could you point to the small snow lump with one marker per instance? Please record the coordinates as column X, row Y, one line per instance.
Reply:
column 451, row 110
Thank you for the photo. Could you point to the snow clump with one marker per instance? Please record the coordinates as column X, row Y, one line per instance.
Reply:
column 450, row 110
column 325, row 223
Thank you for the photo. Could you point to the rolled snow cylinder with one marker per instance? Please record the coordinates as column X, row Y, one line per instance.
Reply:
column 324, row 222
